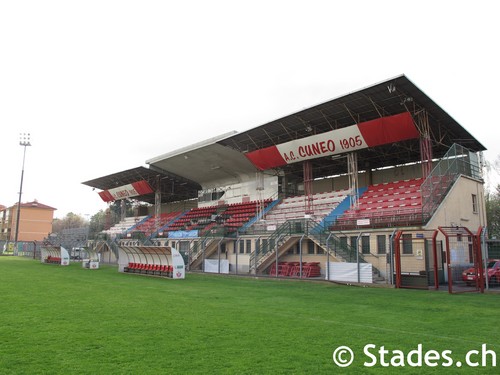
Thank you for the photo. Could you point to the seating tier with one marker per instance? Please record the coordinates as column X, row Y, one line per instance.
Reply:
column 319, row 205
column 393, row 202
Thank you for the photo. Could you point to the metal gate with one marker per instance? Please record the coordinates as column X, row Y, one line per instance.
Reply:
column 417, row 260
column 464, row 263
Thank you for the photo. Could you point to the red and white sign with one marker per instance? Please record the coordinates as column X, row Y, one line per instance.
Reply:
column 130, row 190
column 363, row 135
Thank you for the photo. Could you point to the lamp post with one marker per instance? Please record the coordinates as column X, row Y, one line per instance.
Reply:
column 24, row 140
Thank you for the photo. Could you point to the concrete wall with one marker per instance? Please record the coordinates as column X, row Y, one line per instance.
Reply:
column 457, row 207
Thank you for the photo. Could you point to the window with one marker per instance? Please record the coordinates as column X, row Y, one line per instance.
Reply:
column 242, row 247
column 310, row 247
column 365, row 244
column 474, row 203
column 343, row 242
column 354, row 242
column 407, row 244
column 381, row 244
column 249, row 246
column 264, row 246
column 295, row 249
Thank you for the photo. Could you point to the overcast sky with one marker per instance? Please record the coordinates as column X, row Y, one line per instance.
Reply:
column 102, row 86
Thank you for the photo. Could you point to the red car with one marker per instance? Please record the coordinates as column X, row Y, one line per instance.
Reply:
column 493, row 266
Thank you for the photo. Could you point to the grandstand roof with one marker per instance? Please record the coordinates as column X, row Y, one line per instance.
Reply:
column 173, row 188
column 222, row 158
column 209, row 163
column 390, row 97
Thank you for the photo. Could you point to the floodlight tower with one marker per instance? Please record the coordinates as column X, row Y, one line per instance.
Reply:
column 24, row 140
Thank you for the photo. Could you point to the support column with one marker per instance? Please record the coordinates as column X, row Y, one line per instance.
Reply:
column 157, row 202
column 308, row 179
column 352, row 167
column 425, row 143
column 123, row 210
column 260, row 188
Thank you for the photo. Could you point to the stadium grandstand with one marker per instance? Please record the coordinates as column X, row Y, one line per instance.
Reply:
column 381, row 181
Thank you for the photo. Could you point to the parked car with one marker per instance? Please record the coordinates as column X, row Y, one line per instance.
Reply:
column 78, row 253
column 493, row 267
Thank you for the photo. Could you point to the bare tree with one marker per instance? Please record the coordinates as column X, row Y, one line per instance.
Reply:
column 70, row 221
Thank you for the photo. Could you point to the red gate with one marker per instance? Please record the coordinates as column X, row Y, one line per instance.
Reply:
column 416, row 264
column 463, row 259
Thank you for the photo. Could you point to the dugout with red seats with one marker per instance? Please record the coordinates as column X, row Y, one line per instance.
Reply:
column 163, row 261
column 54, row 255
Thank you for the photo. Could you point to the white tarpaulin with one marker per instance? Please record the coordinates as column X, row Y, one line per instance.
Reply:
column 211, row 265
column 341, row 271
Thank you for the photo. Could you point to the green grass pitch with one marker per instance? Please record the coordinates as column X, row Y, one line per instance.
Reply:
column 70, row 320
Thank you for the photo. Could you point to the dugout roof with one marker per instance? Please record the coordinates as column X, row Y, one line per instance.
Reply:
column 222, row 158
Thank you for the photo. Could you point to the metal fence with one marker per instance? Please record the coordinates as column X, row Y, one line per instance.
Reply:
column 29, row 249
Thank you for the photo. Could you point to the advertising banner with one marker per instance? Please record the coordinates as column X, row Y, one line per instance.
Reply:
column 130, row 190
column 372, row 133
column 348, row 272
column 183, row 234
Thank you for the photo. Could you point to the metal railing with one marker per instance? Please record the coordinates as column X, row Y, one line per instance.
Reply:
column 457, row 161
column 197, row 247
column 317, row 232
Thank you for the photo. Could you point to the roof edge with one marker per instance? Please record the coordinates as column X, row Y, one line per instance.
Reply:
column 192, row 147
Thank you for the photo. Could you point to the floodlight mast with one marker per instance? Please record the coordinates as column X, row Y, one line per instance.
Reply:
column 24, row 140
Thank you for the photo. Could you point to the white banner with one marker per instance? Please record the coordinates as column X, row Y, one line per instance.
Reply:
column 325, row 144
column 348, row 272
column 211, row 265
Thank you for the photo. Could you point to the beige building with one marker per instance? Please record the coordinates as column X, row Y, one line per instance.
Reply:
column 35, row 221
